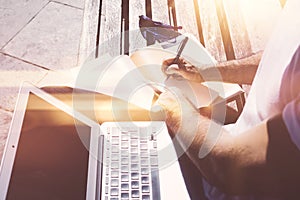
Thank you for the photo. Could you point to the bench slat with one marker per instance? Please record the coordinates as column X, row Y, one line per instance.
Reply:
column 226, row 37
column 160, row 11
column 211, row 29
column 185, row 13
column 136, row 40
column 89, row 30
column 237, row 28
column 110, row 27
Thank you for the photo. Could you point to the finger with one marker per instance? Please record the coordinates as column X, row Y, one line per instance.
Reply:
column 168, row 61
column 172, row 70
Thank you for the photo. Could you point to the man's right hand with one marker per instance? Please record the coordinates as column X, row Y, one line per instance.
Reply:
column 181, row 69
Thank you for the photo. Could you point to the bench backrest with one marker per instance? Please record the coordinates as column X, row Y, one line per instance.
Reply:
column 229, row 29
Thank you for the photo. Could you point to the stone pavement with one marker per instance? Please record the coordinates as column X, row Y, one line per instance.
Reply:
column 36, row 37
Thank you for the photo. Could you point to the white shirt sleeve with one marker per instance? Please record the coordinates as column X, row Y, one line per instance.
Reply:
column 291, row 118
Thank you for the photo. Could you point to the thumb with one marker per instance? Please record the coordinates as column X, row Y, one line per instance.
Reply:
column 173, row 70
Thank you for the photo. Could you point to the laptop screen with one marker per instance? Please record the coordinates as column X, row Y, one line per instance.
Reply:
column 51, row 160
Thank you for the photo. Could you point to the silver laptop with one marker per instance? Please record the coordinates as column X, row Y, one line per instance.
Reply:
column 54, row 152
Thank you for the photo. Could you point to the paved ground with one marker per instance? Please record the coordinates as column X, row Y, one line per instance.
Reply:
column 36, row 37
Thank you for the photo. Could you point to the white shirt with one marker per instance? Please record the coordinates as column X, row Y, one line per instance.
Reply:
column 265, row 100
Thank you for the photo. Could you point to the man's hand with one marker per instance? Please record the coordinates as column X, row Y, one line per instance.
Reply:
column 178, row 110
column 240, row 71
column 182, row 69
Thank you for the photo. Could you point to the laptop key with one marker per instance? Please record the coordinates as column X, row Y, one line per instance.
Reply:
column 135, row 194
column 124, row 161
column 114, row 157
column 125, row 137
column 143, row 133
column 124, row 169
column 153, row 152
column 134, row 142
column 134, row 150
column 145, row 179
column 143, row 146
column 115, row 140
column 134, row 167
column 115, row 174
column 124, row 196
column 114, row 182
column 144, row 171
column 124, row 186
column 134, row 184
column 124, row 178
column 124, row 153
column 144, row 154
column 114, row 165
column 145, row 189
column 124, row 145
column 134, row 158
column 115, row 149
column 114, row 192
column 134, row 176
column 115, row 131
column 144, row 162
column 153, row 161
column 145, row 197
column 134, row 135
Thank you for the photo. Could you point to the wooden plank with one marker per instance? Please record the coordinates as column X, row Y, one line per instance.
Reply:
column 172, row 13
column 110, row 28
column 160, row 11
column 199, row 24
column 125, row 27
column 186, row 17
column 89, row 30
column 260, row 17
column 148, row 8
column 136, row 40
column 226, row 37
column 211, row 29
column 237, row 28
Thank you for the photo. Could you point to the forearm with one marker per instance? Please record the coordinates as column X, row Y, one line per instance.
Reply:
column 240, row 71
column 230, row 164
column 260, row 161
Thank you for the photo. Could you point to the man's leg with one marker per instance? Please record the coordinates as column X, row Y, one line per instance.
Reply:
column 192, row 177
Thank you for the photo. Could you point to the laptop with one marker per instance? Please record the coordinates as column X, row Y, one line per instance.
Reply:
column 55, row 152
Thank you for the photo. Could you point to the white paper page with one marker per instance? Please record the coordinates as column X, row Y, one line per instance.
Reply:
column 149, row 62
column 198, row 94
column 117, row 77
column 81, row 77
column 122, row 79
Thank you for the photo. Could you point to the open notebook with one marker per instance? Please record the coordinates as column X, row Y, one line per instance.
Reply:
column 132, row 78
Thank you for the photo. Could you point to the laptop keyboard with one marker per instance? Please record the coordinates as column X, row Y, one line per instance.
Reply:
column 130, row 164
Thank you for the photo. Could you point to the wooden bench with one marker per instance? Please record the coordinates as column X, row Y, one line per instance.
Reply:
column 229, row 29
